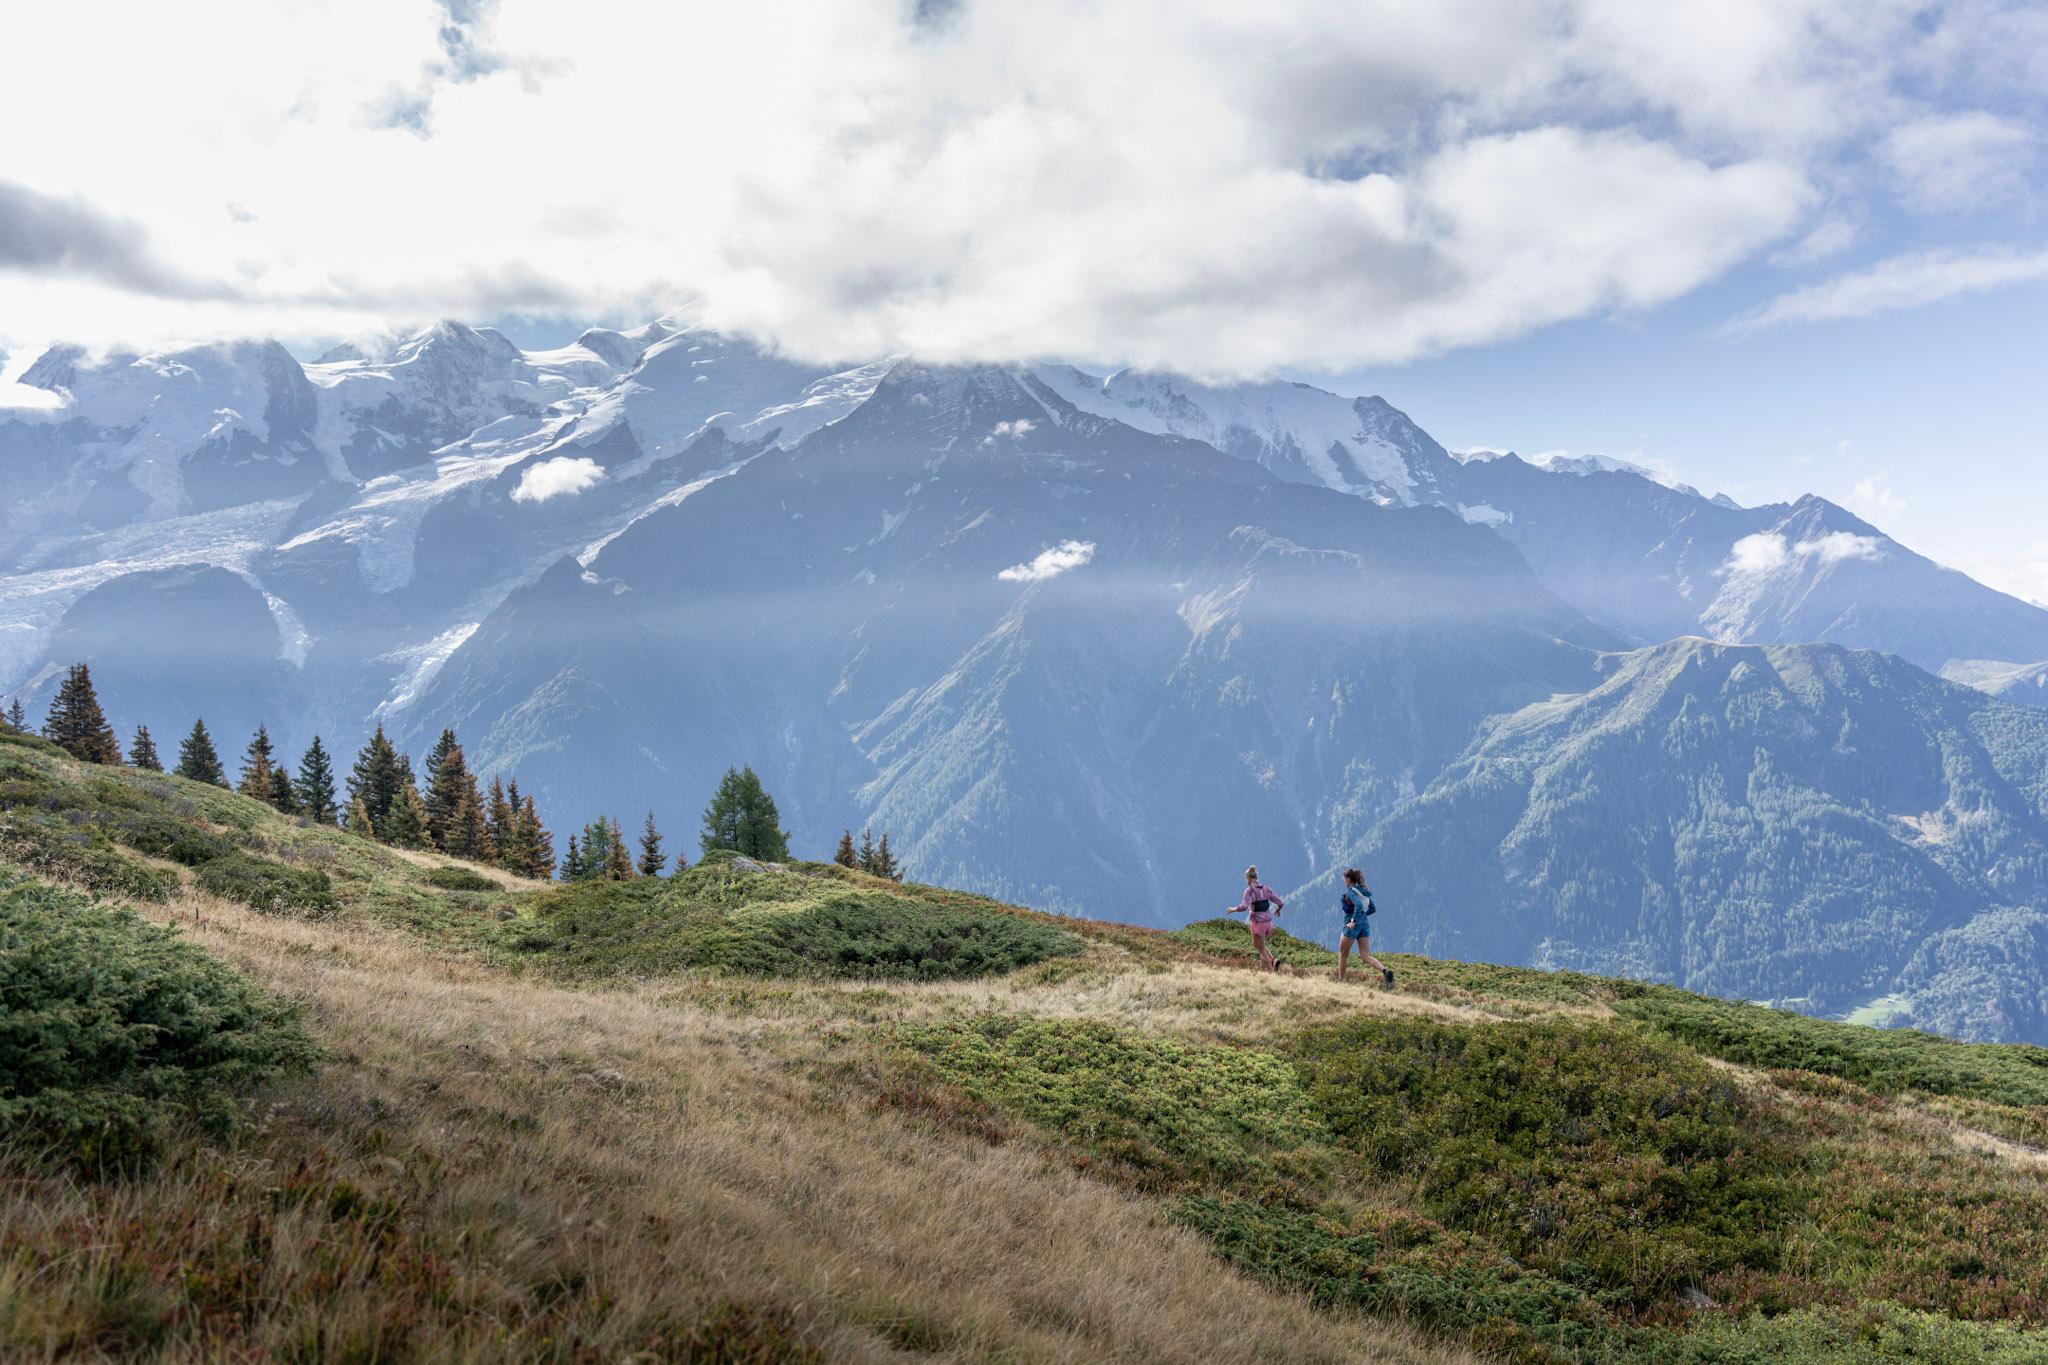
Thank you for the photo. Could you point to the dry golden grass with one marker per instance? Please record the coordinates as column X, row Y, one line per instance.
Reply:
column 584, row 1174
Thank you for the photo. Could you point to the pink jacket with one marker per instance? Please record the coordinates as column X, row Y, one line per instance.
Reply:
column 1259, row 891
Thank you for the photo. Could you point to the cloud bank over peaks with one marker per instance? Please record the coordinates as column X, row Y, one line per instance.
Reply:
column 1191, row 185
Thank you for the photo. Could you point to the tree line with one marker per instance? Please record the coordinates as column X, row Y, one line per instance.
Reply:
column 448, row 812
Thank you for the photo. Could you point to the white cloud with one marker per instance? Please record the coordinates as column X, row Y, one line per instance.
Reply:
column 1873, row 500
column 1009, row 430
column 1769, row 551
column 1194, row 184
column 565, row 475
column 1902, row 282
column 1837, row 546
column 1068, row 554
column 1961, row 161
column 1832, row 237
column 1760, row 553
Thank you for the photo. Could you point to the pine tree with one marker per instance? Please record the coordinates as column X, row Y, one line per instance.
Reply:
column 651, row 858
column 17, row 717
column 572, row 862
column 866, row 855
column 197, row 759
column 142, row 751
column 259, row 768
column 845, row 855
column 375, row 778
column 742, row 817
column 885, row 861
column 448, row 781
column 315, row 786
column 618, row 863
column 359, row 821
column 538, row 844
column 406, row 824
column 467, row 835
column 76, row 722
column 501, row 823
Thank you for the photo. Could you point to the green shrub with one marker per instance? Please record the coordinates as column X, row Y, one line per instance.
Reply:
column 263, row 884
column 1227, row 937
column 113, row 1025
column 1592, row 1150
column 82, row 856
column 1172, row 1113
column 175, row 840
column 1874, row 1331
column 782, row 923
column 458, row 879
column 1388, row 1263
column 1884, row 1060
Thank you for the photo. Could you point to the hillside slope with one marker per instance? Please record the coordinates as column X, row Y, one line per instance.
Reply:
column 797, row 1114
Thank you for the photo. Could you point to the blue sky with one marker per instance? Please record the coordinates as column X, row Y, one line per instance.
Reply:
column 1770, row 245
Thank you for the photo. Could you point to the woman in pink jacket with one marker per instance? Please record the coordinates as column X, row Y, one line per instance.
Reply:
column 1262, row 905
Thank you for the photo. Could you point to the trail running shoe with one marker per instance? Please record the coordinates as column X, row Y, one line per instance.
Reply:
column 1388, row 972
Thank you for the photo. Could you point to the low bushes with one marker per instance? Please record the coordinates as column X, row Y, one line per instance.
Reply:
column 174, row 840
column 81, row 855
column 782, row 922
column 1598, row 1153
column 1226, row 937
column 270, row 886
column 458, row 879
column 1884, row 1060
column 113, row 1026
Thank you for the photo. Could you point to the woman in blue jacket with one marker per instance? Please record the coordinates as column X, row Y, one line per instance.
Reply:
column 1358, row 910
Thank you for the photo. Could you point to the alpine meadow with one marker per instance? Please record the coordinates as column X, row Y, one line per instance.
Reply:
column 766, row 684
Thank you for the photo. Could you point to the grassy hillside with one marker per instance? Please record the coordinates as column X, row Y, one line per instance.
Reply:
column 418, row 1110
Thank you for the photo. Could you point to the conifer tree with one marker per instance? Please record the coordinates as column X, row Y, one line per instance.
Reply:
column 572, row 862
column 142, row 751
column 17, row 717
column 651, row 857
column 259, row 768
column 845, row 855
column 375, row 778
column 539, row 845
column 448, row 781
column 359, row 821
column 405, row 826
column 197, row 759
column 76, row 722
column 315, row 785
column 618, row 863
column 866, row 856
column 501, row 821
column 885, row 861
column 742, row 817
column 467, row 835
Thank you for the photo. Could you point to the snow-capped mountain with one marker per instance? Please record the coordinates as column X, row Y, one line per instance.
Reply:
column 1091, row 642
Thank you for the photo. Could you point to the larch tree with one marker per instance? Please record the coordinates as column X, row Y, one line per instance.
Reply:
column 652, row 859
column 742, row 817
column 197, row 759
column 259, row 768
column 76, row 723
column 142, row 751
column 845, row 856
column 315, row 785
column 359, row 821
